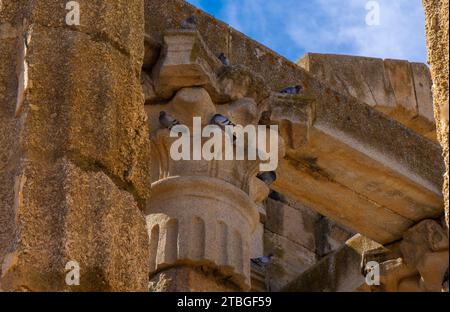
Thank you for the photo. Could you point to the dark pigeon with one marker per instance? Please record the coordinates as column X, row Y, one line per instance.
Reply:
column 221, row 121
column 225, row 61
column 263, row 261
column 167, row 121
column 277, row 196
column 292, row 90
column 267, row 177
column 445, row 281
column 189, row 23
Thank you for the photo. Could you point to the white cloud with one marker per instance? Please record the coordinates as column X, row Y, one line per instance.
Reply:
column 293, row 27
column 400, row 34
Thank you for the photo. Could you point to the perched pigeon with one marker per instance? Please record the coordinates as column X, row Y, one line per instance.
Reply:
column 221, row 121
column 277, row 196
column 292, row 90
column 267, row 177
column 263, row 261
column 189, row 23
column 225, row 61
column 167, row 121
column 445, row 281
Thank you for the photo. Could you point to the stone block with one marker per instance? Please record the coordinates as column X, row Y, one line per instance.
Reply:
column 401, row 78
column 89, row 105
column 294, row 116
column 185, row 62
column 294, row 224
column 114, row 23
column 339, row 271
column 187, row 279
column 290, row 260
column 361, row 77
column 423, row 87
column 425, row 247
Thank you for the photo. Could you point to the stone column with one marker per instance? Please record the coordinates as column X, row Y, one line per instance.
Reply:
column 201, row 213
column 436, row 14
column 74, row 148
column 201, row 223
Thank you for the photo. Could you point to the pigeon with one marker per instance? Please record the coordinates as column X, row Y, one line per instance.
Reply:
column 221, row 121
column 445, row 281
column 292, row 90
column 189, row 23
column 277, row 196
column 225, row 61
column 262, row 261
column 267, row 177
column 167, row 121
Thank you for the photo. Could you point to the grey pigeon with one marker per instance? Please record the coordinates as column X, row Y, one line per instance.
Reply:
column 189, row 23
column 263, row 261
column 292, row 90
column 225, row 61
column 277, row 196
column 221, row 121
column 445, row 281
column 267, row 177
column 167, row 121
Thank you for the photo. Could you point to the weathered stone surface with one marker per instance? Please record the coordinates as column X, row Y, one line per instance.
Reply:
column 257, row 242
column 83, row 114
column 337, row 272
column 294, row 224
column 116, row 23
column 148, row 88
column 76, row 148
column 201, row 221
column 436, row 17
column 186, row 279
column 425, row 247
column 151, row 54
column 9, row 131
column 185, row 62
column 294, row 117
column 192, row 102
column 330, row 236
column 361, row 77
column 243, row 111
column 401, row 79
column 397, row 88
column 237, row 82
column 62, row 214
column 423, row 88
column 290, row 260
column 416, row 263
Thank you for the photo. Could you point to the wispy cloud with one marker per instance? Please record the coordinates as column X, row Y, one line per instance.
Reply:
column 293, row 27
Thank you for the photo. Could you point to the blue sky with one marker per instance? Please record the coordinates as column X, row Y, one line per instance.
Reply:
column 294, row 27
